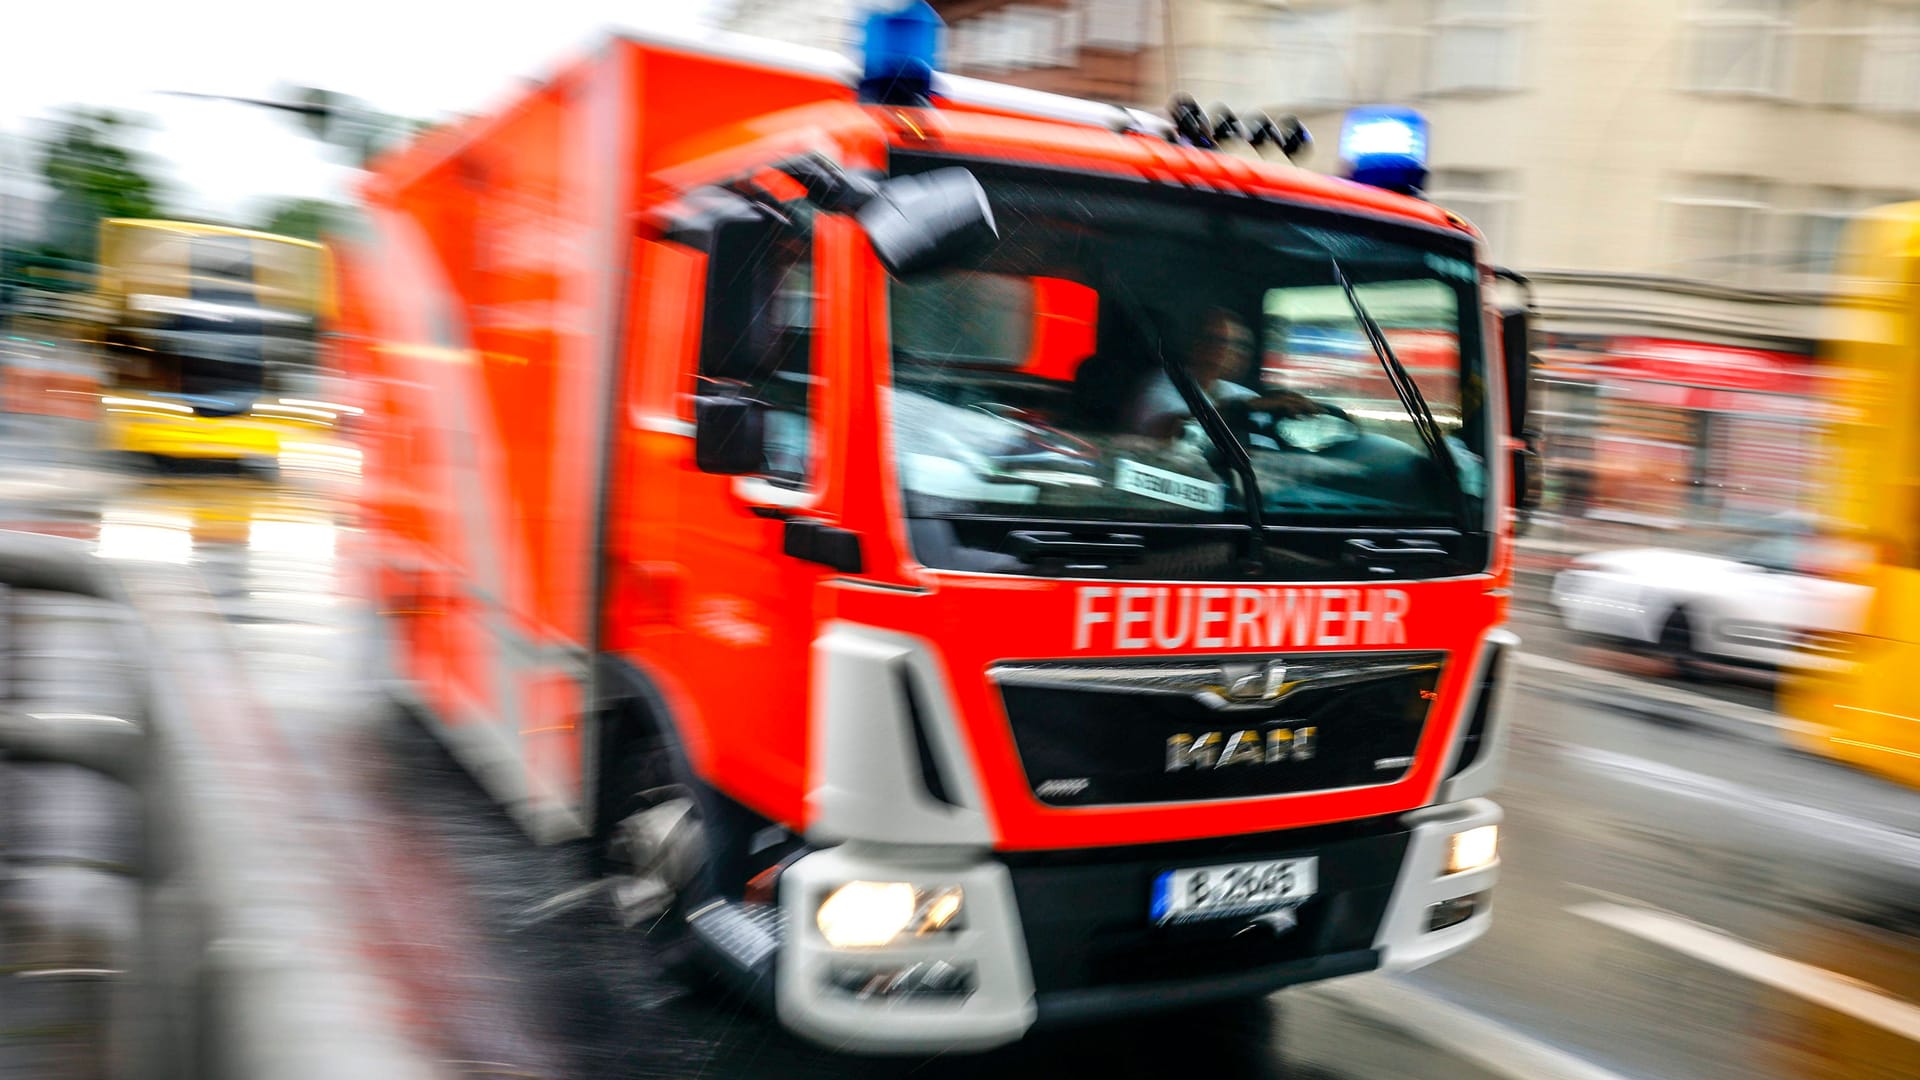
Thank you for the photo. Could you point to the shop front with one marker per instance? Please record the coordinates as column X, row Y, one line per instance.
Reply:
column 1669, row 434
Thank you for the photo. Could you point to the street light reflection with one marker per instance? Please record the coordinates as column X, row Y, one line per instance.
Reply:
column 309, row 540
column 149, row 537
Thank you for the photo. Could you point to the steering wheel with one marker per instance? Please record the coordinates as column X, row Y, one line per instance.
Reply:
column 1308, row 434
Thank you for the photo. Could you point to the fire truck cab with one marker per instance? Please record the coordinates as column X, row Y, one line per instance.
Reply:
column 972, row 558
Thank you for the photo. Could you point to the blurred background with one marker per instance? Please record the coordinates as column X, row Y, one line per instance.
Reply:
column 1676, row 178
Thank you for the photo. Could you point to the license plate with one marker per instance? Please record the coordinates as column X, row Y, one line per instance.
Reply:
column 1214, row 892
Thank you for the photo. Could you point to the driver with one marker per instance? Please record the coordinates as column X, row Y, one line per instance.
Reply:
column 1219, row 352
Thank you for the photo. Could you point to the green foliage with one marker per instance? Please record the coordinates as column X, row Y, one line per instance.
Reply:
column 94, row 174
column 307, row 219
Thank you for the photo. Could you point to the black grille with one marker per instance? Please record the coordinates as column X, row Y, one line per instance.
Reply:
column 1086, row 919
column 1089, row 744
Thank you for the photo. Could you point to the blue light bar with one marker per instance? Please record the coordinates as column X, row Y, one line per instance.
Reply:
column 902, row 53
column 1385, row 146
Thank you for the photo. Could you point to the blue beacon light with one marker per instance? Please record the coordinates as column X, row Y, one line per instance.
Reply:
column 1385, row 146
column 902, row 53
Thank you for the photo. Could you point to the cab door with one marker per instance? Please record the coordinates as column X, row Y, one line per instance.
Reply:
column 711, row 606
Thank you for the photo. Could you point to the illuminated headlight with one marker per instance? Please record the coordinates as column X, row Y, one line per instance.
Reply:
column 871, row 914
column 1472, row 849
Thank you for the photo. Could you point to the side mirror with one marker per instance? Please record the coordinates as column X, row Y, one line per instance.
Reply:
column 729, row 434
column 1529, row 478
column 739, row 238
column 926, row 221
column 1517, row 355
column 1516, row 348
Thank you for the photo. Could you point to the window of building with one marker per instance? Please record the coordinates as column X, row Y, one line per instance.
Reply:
column 1485, row 198
column 1864, row 54
column 1476, row 45
column 1018, row 37
column 1824, row 220
column 1122, row 25
column 1738, row 46
column 1303, row 57
column 1890, row 64
column 1719, row 228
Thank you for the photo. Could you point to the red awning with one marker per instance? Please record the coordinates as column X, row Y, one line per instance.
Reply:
column 1696, row 375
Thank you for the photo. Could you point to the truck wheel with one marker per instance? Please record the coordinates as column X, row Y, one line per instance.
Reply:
column 655, row 855
column 1677, row 644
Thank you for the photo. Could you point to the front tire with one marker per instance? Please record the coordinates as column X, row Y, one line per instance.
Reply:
column 1677, row 644
column 654, row 851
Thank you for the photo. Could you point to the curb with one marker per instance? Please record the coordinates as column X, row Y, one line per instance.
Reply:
column 243, row 968
column 1631, row 696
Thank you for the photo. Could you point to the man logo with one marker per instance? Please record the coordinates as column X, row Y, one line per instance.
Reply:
column 1247, row 684
column 1219, row 749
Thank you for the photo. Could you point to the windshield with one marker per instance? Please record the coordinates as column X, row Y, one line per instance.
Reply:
column 213, row 315
column 1034, row 383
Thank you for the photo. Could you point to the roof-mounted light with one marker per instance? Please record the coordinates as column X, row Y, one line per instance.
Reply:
column 1194, row 126
column 1385, row 146
column 902, row 53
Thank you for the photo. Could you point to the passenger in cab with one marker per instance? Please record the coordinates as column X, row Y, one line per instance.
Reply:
column 1217, row 356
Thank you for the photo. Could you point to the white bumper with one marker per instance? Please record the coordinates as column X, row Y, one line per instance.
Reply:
column 990, row 945
column 1404, row 940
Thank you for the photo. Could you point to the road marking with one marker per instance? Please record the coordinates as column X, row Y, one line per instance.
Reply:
column 1456, row 1030
column 1876, row 712
column 1859, row 835
column 1875, row 746
column 1840, row 993
column 1665, row 695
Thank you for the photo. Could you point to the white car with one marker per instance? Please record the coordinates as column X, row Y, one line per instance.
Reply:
column 1761, row 606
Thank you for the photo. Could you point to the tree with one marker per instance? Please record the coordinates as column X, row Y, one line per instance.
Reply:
column 94, row 174
column 307, row 219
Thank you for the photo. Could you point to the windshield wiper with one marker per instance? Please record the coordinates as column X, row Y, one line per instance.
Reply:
column 1229, row 446
column 1407, row 391
column 1211, row 422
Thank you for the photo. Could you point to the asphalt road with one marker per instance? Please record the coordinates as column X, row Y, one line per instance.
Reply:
column 1683, row 897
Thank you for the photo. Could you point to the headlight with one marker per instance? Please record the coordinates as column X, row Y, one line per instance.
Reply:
column 1472, row 849
column 871, row 914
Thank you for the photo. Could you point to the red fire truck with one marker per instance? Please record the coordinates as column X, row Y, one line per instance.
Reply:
column 758, row 485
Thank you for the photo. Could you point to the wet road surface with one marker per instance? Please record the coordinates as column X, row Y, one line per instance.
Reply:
column 1679, row 900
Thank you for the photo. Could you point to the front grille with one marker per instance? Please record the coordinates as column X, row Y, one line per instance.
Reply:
column 1087, row 926
column 1118, row 733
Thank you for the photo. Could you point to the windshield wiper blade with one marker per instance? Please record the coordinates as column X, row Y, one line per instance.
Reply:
column 1406, row 390
column 1223, row 439
column 1211, row 422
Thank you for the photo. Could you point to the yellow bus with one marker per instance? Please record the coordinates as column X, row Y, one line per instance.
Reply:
column 1865, row 709
column 212, row 338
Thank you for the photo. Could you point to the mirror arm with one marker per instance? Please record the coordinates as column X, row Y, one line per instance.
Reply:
column 761, row 198
column 1515, row 277
column 829, row 187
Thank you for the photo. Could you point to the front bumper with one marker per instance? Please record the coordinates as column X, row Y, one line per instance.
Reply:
column 1064, row 937
column 194, row 436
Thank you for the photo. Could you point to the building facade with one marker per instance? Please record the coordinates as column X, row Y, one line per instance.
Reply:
column 1673, row 175
column 819, row 24
column 1107, row 50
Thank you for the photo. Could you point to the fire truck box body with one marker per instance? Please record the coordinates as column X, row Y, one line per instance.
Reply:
column 992, row 713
